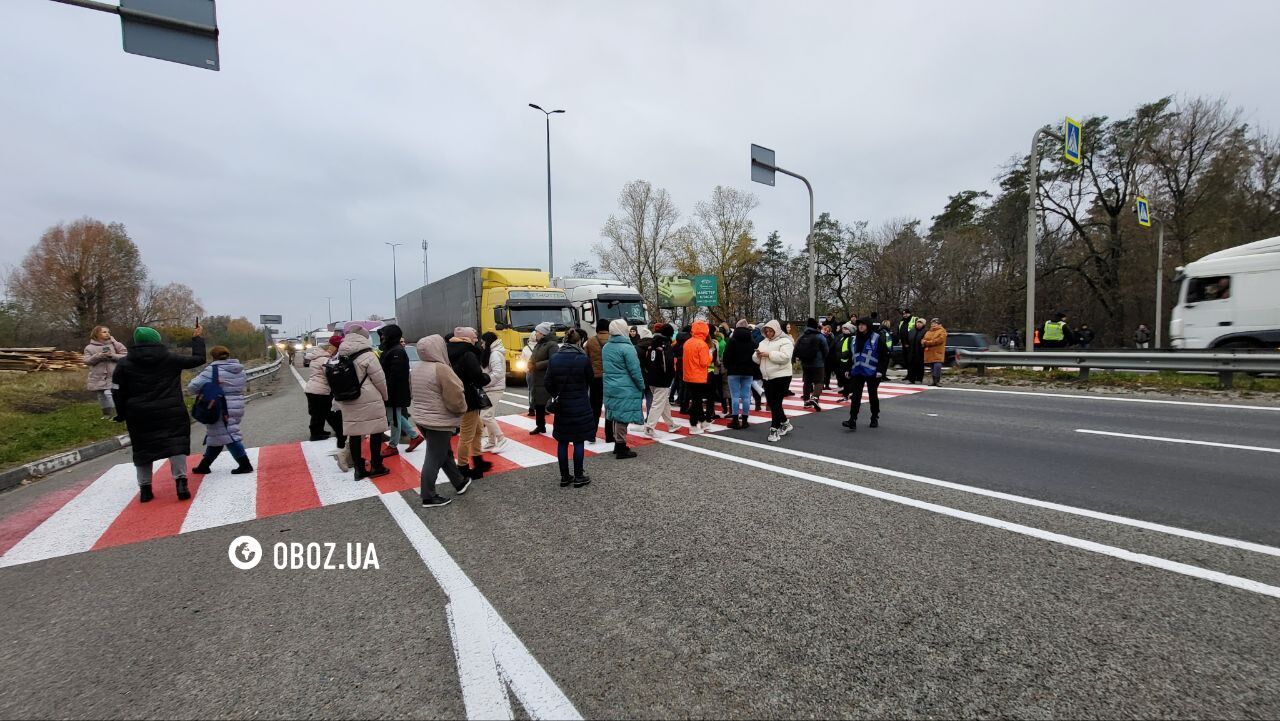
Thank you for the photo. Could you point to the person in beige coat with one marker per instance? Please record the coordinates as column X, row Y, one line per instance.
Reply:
column 774, row 354
column 101, row 355
column 439, row 402
column 366, row 415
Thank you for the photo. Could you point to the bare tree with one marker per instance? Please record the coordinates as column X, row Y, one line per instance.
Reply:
column 636, row 245
column 167, row 306
column 719, row 241
column 583, row 269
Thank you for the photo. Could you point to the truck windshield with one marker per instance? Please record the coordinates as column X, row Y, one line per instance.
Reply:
column 631, row 311
column 525, row 318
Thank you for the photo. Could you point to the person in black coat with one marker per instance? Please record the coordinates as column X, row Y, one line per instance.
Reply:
column 740, row 366
column 466, row 358
column 568, row 381
column 913, row 353
column 148, row 395
column 395, row 366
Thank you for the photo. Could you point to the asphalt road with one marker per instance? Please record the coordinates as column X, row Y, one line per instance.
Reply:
column 717, row 576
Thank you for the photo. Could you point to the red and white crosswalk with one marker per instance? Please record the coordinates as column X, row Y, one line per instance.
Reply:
column 287, row 478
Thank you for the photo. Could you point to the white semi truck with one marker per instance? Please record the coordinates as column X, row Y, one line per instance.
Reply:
column 1230, row 299
column 596, row 298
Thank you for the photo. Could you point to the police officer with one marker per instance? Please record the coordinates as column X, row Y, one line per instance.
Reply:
column 1056, row 334
column 870, row 364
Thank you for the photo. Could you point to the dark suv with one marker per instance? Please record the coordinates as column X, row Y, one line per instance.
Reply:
column 966, row 340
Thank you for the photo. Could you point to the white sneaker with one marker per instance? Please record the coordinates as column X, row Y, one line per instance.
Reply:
column 695, row 430
column 786, row 428
column 649, row 432
column 487, row 446
column 500, row 446
column 774, row 435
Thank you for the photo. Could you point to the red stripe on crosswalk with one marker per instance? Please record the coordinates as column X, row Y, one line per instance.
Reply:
column 284, row 481
column 542, row 441
column 500, row 464
column 162, row 517
column 402, row 477
column 14, row 528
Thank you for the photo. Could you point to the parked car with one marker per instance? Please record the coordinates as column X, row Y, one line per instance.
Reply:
column 969, row 341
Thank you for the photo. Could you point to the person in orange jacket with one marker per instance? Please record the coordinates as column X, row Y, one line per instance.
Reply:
column 696, row 361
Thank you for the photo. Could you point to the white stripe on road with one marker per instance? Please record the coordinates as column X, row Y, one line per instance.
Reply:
column 298, row 377
column 81, row 521
column 486, row 648
column 332, row 484
column 1101, row 548
column 1096, row 515
column 1187, row 441
column 1110, row 398
column 523, row 406
column 515, row 395
column 224, row 498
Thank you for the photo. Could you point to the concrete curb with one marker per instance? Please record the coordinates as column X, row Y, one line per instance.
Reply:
column 36, row 470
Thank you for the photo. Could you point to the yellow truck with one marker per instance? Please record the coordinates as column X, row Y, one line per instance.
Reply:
column 507, row 301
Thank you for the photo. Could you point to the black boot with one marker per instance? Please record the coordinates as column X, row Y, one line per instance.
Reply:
column 580, row 481
column 181, row 484
column 244, row 467
column 206, row 463
column 144, row 494
column 733, row 424
column 743, row 425
column 621, row 451
column 851, row 424
column 565, row 481
column 480, row 464
column 875, row 422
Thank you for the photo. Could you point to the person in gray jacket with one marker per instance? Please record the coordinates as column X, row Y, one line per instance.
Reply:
column 226, row 431
column 101, row 355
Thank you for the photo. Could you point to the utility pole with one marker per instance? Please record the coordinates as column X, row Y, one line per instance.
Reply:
column 551, row 271
column 1159, row 282
column 329, row 300
column 395, row 288
column 351, row 313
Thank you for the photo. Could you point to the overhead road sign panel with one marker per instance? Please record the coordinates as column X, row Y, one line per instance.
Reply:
column 762, row 165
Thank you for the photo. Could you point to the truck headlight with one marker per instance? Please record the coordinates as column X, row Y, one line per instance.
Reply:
column 522, row 365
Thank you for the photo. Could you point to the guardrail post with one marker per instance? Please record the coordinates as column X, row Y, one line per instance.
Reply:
column 1225, row 379
column 982, row 370
column 1084, row 374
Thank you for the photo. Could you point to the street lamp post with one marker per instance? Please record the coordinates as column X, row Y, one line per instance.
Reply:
column 329, row 301
column 1033, row 180
column 550, row 259
column 351, row 313
column 395, row 288
column 1159, row 281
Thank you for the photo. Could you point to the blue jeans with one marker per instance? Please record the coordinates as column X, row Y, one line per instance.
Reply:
column 397, row 423
column 562, row 455
column 740, row 395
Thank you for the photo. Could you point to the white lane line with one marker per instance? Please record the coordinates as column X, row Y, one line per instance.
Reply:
column 487, row 650
column 525, row 406
column 515, row 395
column 224, row 498
column 1244, row 584
column 1187, row 441
column 1111, row 398
column 298, row 377
column 1096, row 515
column 80, row 522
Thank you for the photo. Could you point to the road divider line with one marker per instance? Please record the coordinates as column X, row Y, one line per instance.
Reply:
column 298, row 377
column 522, row 406
column 1048, row 505
column 1165, row 564
column 1186, row 441
column 1197, row 404
column 484, row 645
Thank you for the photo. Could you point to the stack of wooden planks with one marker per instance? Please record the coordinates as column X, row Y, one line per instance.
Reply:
column 39, row 359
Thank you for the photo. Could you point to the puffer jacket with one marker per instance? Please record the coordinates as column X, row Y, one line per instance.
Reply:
column 538, row 364
column 739, row 353
column 568, row 378
column 697, row 355
column 318, row 384
column 595, row 351
column 395, row 366
column 233, row 381
column 777, row 361
column 367, row 414
column 623, row 382
column 438, row 397
column 102, row 359
column 935, row 345
column 148, row 397
column 497, row 368
column 464, row 356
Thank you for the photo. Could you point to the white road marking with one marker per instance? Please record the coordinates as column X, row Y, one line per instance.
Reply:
column 523, row 406
column 298, row 377
column 224, row 498
column 932, row 415
column 1111, row 398
column 80, row 522
column 1096, row 515
column 1244, row 584
column 1186, row 441
column 487, row 650
column 515, row 395
column 332, row 484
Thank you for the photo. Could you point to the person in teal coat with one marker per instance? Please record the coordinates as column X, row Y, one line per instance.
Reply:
column 623, row 386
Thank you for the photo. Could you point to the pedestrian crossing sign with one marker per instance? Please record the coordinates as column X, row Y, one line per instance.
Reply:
column 1144, row 211
column 1073, row 141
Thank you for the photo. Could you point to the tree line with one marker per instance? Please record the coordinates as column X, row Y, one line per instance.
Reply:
column 1211, row 177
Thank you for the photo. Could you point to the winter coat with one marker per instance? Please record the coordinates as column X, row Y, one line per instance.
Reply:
column 811, row 336
column 318, row 384
column 568, row 378
column 102, row 359
column 367, row 414
column 148, row 397
column 538, row 364
column 595, row 351
column 395, row 366
column 697, row 355
column 464, row 356
column 642, row 351
column 739, row 353
column 497, row 368
column 660, row 362
column 438, row 396
column 777, row 360
column 623, row 382
column 915, row 345
column 833, row 350
column 935, row 345
column 233, row 381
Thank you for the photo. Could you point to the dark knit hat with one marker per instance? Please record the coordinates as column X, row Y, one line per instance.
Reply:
column 668, row 330
column 812, row 323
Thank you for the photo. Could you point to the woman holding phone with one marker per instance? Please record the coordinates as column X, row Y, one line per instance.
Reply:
column 101, row 355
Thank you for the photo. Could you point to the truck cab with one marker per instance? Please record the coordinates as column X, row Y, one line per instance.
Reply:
column 594, row 299
column 1230, row 299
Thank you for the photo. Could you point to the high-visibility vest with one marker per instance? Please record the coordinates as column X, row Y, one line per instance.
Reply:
column 866, row 361
column 844, row 346
column 1053, row 330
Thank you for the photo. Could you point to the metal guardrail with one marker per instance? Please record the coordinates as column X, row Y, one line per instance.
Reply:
column 252, row 374
column 1224, row 363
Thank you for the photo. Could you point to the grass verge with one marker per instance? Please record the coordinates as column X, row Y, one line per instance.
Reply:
column 45, row 413
column 1162, row 381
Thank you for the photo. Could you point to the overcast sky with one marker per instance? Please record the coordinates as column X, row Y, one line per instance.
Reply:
column 334, row 127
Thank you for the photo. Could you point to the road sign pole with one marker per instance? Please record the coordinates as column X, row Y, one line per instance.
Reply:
column 762, row 170
column 1159, row 282
column 1033, row 171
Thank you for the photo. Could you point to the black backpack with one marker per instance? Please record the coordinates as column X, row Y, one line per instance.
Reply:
column 656, row 359
column 343, row 376
column 807, row 349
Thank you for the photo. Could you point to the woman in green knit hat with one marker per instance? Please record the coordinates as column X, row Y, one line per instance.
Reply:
column 149, row 400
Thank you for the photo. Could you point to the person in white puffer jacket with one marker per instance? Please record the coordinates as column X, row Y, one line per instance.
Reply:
column 496, row 357
column 774, row 356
